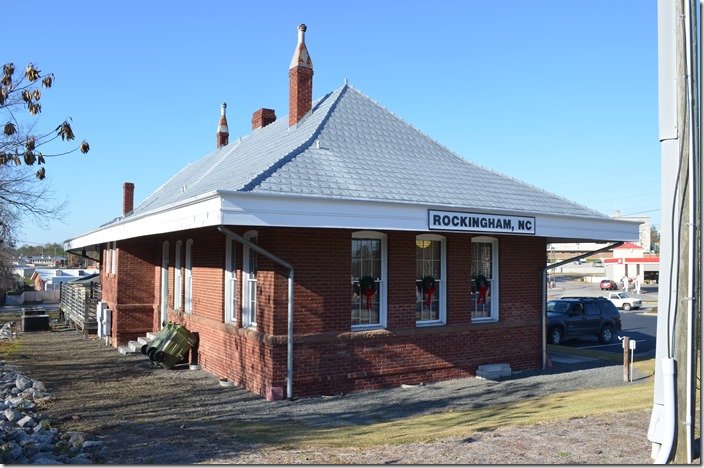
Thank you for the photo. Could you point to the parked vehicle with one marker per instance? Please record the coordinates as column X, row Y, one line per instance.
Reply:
column 624, row 301
column 598, row 263
column 608, row 285
column 577, row 316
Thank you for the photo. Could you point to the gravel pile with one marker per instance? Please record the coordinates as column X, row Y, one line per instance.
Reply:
column 29, row 436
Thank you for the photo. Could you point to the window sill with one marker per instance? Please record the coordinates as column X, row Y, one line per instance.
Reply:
column 361, row 328
column 485, row 320
column 434, row 323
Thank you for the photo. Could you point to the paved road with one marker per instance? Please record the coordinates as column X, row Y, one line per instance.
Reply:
column 639, row 325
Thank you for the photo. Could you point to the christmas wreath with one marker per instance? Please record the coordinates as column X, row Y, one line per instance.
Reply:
column 428, row 284
column 368, row 287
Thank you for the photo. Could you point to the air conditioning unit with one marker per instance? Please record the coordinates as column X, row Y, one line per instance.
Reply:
column 104, row 316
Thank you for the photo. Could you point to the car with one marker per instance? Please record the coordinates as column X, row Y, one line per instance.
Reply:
column 623, row 301
column 608, row 285
column 580, row 316
column 598, row 263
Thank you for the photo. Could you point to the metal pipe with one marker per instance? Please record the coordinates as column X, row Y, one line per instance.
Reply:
column 271, row 256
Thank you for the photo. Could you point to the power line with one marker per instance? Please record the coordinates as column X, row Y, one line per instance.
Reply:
column 641, row 212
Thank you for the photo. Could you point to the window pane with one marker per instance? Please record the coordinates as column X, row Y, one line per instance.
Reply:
column 375, row 248
column 356, row 269
column 375, row 267
column 435, row 269
column 356, row 247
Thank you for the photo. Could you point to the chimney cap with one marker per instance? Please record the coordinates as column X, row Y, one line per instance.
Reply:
column 300, row 56
column 222, row 125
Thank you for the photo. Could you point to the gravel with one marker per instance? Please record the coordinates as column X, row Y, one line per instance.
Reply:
column 139, row 413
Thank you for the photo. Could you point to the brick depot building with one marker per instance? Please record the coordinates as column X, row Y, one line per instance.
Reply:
column 338, row 249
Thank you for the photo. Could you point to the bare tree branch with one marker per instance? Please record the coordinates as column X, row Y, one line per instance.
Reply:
column 24, row 195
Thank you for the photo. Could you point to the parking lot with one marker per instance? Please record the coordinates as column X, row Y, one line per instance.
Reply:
column 639, row 325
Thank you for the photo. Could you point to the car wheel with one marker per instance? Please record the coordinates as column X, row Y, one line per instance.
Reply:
column 626, row 306
column 606, row 334
column 556, row 335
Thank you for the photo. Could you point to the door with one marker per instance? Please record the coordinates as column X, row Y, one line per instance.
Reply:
column 592, row 318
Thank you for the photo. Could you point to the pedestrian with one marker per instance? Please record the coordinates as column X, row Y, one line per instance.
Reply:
column 637, row 284
column 625, row 280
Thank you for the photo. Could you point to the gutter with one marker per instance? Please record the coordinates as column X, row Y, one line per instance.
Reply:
column 543, row 307
column 271, row 256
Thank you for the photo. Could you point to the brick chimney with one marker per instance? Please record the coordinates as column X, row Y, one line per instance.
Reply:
column 127, row 197
column 223, row 134
column 262, row 118
column 300, row 74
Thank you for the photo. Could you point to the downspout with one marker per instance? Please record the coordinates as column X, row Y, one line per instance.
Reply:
column 543, row 307
column 668, row 392
column 271, row 256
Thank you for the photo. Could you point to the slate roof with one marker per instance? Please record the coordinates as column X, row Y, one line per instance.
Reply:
column 351, row 148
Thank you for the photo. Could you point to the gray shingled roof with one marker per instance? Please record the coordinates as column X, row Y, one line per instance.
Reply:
column 351, row 148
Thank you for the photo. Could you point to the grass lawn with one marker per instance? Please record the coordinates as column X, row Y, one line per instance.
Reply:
column 453, row 424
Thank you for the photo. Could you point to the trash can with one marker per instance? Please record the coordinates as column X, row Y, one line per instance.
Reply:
column 164, row 334
column 175, row 347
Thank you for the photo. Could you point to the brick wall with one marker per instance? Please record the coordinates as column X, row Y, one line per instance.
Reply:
column 328, row 357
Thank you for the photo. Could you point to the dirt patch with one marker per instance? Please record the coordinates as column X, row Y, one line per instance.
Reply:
column 146, row 414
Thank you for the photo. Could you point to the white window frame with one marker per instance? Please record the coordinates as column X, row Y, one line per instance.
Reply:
column 493, row 281
column 113, row 261
column 107, row 258
column 178, row 276
column 249, row 284
column 164, row 302
column 441, row 284
column 230, row 280
column 189, row 277
column 383, row 293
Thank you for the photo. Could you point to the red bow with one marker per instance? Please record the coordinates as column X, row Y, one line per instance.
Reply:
column 429, row 299
column 369, row 293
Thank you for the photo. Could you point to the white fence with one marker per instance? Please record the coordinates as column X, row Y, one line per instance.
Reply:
column 33, row 296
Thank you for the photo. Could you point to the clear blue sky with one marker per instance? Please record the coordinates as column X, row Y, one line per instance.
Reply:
column 560, row 94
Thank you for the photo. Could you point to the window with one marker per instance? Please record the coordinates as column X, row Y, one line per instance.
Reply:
column 230, row 280
column 177, row 276
column 249, row 282
column 368, row 280
column 113, row 260
column 591, row 308
column 189, row 276
column 110, row 257
column 107, row 258
column 164, row 282
column 484, row 281
column 430, row 279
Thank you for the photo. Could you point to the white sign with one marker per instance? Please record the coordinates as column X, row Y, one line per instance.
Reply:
column 480, row 222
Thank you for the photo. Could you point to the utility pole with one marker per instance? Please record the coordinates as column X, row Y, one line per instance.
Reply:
column 679, row 298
